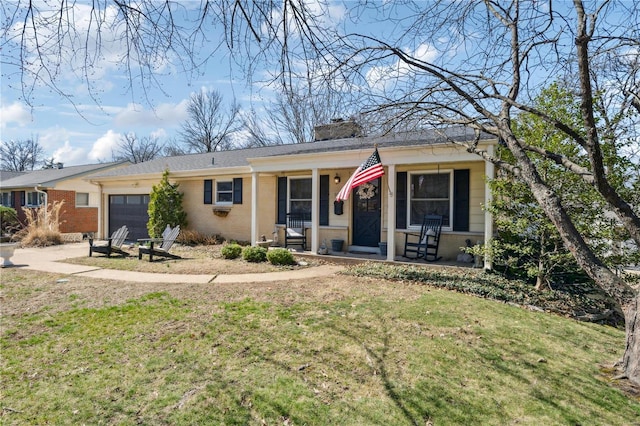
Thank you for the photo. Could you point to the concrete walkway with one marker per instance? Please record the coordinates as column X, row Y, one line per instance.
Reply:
column 47, row 259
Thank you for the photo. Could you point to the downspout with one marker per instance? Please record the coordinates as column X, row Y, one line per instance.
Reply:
column 46, row 201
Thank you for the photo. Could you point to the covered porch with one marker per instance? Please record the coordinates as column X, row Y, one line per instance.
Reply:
column 349, row 258
column 394, row 222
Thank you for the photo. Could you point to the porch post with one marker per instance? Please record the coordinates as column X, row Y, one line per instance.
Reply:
column 254, row 208
column 391, row 212
column 315, row 210
column 489, row 171
column 101, row 209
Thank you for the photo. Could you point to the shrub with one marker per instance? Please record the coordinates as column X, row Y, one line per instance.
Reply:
column 42, row 226
column 195, row 238
column 8, row 221
column 280, row 256
column 231, row 251
column 41, row 238
column 254, row 254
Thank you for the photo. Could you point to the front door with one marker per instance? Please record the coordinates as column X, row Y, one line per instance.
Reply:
column 366, row 214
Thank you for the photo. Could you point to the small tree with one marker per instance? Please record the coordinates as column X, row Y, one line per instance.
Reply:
column 165, row 207
column 528, row 243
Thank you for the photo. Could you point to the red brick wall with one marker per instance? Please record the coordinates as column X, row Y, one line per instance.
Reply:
column 80, row 219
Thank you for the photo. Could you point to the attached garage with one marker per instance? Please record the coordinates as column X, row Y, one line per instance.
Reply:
column 129, row 210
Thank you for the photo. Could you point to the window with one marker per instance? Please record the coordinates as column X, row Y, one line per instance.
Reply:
column 227, row 191
column 430, row 193
column 6, row 199
column 300, row 196
column 137, row 199
column 82, row 199
column 224, row 192
column 34, row 198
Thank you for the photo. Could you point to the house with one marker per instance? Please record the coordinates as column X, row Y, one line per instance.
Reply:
column 246, row 193
column 79, row 214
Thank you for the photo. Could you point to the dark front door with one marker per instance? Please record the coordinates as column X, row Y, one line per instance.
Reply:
column 130, row 210
column 366, row 214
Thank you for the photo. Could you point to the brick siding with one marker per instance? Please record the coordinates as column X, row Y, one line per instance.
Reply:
column 72, row 218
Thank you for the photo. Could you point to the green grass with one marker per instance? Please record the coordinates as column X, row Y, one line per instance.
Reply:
column 374, row 354
column 572, row 300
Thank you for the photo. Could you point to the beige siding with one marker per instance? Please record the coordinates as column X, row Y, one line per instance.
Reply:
column 450, row 243
column 236, row 225
column 476, row 187
column 80, row 185
column 477, row 193
column 267, row 205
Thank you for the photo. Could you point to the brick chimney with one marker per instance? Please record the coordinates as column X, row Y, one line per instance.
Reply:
column 337, row 129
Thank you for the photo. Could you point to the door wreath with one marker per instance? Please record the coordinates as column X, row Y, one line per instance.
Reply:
column 366, row 191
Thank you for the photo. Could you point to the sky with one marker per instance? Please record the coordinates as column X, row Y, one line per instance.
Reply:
column 86, row 126
column 85, row 131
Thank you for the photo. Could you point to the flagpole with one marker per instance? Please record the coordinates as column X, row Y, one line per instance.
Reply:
column 375, row 146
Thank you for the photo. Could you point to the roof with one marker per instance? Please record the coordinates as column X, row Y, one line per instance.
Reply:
column 49, row 177
column 5, row 175
column 240, row 157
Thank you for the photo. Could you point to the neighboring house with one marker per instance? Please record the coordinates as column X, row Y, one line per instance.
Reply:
column 245, row 194
column 79, row 213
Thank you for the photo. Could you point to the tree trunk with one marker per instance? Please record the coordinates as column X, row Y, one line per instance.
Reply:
column 613, row 285
column 631, row 358
column 541, row 281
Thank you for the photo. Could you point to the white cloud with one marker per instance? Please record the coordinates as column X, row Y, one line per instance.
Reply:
column 104, row 146
column 57, row 143
column 384, row 77
column 52, row 137
column 15, row 113
column 166, row 114
column 158, row 133
column 425, row 52
column 69, row 155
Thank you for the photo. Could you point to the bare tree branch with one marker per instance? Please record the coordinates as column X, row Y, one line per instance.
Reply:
column 21, row 155
column 209, row 127
column 137, row 150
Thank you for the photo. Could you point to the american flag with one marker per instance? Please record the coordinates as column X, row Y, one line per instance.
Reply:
column 366, row 172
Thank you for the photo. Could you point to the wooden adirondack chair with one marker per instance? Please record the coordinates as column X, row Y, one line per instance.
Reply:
column 168, row 238
column 111, row 245
column 295, row 234
column 427, row 242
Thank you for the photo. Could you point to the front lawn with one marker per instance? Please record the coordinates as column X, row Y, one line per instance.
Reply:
column 345, row 350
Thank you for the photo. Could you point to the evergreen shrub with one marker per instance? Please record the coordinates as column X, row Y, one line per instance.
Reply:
column 231, row 251
column 280, row 256
column 254, row 254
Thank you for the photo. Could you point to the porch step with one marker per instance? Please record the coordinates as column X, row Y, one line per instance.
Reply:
column 363, row 250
